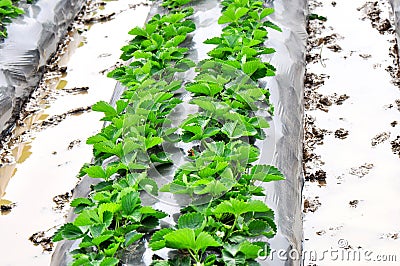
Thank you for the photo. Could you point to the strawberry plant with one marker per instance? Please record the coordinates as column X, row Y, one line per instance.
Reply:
column 8, row 10
column 112, row 218
column 219, row 178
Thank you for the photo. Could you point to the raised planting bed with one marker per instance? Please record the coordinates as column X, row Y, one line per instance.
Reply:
column 177, row 167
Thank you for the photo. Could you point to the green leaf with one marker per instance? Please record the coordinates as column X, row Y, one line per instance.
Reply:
column 251, row 66
column 157, row 241
column 249, row 250
column 210, row 260
column 149, row 185
column 266, row 12
column 106, row 108
column 153, row 141
column 87, row 217
column 81, row 201
column 71, row 232
column 232, row 14
column 175, row 41
column 160, row 157
column 210, row 105
column 181, row 239
column 266, row 173
column 257, row 206
column 138, row 31
column 272, row 26
column 96, row 171
column 233, row 206
column 191, row 220
column 238, row 207
column 208, row 89
column 96, row 139
column 111, row 249
column 110, row 207
column 129, row 203
column 257, row 227
column 233, row 259
column 103, row 237
column 97, row 229
column 132, row 237
column 233, row 130
column 109, row 261
column 214, row 40
column 205, row 240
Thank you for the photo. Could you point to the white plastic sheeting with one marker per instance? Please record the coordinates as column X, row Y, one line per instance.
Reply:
column 32, row 39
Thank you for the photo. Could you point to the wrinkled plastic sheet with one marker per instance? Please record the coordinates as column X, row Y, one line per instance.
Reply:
column 32, row 39
column 396, row 11
column 287, row 89
column 283, row 146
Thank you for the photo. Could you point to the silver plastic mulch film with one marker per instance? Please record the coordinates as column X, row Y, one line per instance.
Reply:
column 283, row 146
column 286, row 88
column 32, row 39
column 396, row 10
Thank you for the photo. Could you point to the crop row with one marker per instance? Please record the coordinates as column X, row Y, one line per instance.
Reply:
column 221, row 224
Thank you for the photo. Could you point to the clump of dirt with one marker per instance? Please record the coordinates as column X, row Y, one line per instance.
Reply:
column 100, row 18
column 107, row 17
column 398, row 104
column 56, row 119
column 393, row 69
column 315, row 100
column 77, row 90
column 314, row 135
column 354, row 203
column 335, row 48
column 41, row 239
column 394, row 123
column 6, row 208
column 315, row 81
column 365, row 56
column 61, row 201
column 311, row 205
column 372, row 12
column 379, row 138
column 396, row 146
column 319, row 175
column 341, row 133
column 341, row 99
column 394, row 236
column 73, row 144
column 362, row 170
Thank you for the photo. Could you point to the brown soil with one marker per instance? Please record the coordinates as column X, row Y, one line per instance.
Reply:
column 341, row 133
column 6, row 209
column 396, row 146
column 56, row 119
column 62, row 200
column 354, row 203
column 77, row 90
column 41, row 239
column 311, row 205
column 372, row 12
column 362, row 170
column 378, row 139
